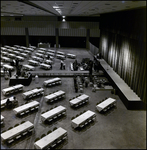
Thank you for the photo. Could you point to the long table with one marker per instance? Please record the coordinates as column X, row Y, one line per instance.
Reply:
column 8, row 67
column 3, row 102
column 30, row 49
column 2, row 64
column 45, row 66
column 34, row 47
column 12, row 89
column 28, row 67
column 53, row 113
column 48, row 62
column 13, row 56
column 71, row 56
column 17, row 132
column 50, row 53
column 80, row 100
column 40, row 51
column 24, row 54
column 33, row 62
column 5, row 59
column 52, row 139
column 2, row 119
column 60, row 56
column 20, row 80
column 105, row 105
column 16, row 52
column 50, row 50
column 60, row 53
column 3, row 48
column 83, row 119
column 53, row 81
column 20, row 58
column 26, row 108
column 33, row 93
column 20, row 50
column 54, row 96
column 39, row 55
column 37, row 58
column 4, row 53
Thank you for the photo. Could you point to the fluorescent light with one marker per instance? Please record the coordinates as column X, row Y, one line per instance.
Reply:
column 63, row 16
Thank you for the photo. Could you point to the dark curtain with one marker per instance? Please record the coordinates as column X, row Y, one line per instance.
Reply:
column 123, row 46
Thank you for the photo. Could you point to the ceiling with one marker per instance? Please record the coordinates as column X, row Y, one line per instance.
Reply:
column 65, row 8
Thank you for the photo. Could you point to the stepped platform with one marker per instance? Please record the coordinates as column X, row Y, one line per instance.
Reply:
column 62, row 73
column 127, row 95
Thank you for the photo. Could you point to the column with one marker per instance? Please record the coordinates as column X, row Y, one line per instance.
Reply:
column 57, row 37
column 87, row 38
column 27, row 37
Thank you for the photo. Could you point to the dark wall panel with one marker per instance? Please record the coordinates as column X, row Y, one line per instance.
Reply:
column 75, row 42
column 13, row 40
column 95, row 41
column 34, row 40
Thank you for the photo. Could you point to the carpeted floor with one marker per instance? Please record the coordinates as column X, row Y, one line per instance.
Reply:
column 119, row 128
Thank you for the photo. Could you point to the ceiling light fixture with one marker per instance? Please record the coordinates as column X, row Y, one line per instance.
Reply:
column 63, row 20
column 63, row 16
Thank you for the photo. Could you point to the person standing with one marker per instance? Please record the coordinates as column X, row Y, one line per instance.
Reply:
column 10, row 73
column 17, row 62
column 61, row 64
